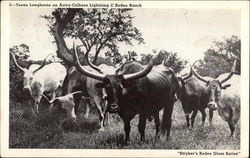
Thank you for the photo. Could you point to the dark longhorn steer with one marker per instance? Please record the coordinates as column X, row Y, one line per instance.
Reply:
column 75, row 81
column 226, row 100
column 194, row 97
column 144, row 92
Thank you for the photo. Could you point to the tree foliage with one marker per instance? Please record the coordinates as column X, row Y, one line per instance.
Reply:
column 220, row 57
column 170, row 59
column 22, row 51
column 100, row 29
column 16, row 75
column 117, row 58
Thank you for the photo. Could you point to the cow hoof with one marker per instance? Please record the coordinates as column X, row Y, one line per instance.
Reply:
column 168, row 138
column 157, row 137
column 101, row 130
column 126, row 143
column 211, row 126
column 162, row 137
column 86, row 116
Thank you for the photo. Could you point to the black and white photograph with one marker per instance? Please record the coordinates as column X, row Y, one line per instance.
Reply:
column 154, row 79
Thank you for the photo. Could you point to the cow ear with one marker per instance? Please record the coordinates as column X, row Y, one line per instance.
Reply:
column 225, row 86
column 100, row 85
column 207, row 83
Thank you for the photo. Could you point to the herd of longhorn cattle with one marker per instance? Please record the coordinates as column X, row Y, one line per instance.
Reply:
column 131, row 89
column 134, row 89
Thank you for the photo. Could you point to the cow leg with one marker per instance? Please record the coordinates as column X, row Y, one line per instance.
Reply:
column 105, row 111
column 51, row 105
column 87, row 107
column 187, row 119
column 232, row 128
column 193, row 117
column 231, row 123
column 30, row 107
column 126, row 129
column 203, row 113
column 77, row 100
column 210, row 117
column 141, row 126
column 166, row 120
column 86, row 115
column 157, row 124
column 98, row 102
column 37, row 102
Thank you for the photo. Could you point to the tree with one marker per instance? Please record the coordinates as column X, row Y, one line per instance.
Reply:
column 170, row 59
column 130, row 56
column 97, row 28
column 220, row 57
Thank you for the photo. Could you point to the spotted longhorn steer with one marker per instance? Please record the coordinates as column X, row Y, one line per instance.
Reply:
column 39, row 79
column 225, row 98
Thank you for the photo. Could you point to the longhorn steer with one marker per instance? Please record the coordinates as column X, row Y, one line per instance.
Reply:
column 44, row 78
column 194, row 97
column 135, row 90
column 67, row 103
column 225, row 98
column 75, row 81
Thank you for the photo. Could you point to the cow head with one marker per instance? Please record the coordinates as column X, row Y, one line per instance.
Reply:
column 182, row 81
column 215, row 87
column 28, row 74
column 115, row 84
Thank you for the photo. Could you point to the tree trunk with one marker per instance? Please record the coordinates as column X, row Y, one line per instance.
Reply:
column 63, row 51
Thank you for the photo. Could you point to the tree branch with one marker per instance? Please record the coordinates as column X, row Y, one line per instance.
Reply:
column 61, row 23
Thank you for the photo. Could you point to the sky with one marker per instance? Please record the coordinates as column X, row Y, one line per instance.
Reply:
column 188, row 32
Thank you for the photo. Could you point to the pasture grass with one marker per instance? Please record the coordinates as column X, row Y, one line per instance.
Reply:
column 52, row 131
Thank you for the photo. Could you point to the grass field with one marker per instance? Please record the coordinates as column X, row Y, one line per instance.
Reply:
column 51, row 131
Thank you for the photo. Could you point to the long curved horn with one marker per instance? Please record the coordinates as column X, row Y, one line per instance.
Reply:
column 163, row 62
column 50, row 101
column 198, row 76
column 76, row 92
column 80, row 68
column 231, row 73
column 142, row 73
column 16, row 62
column 43, row 64
column 190, row 73
column 92, row 65
column 196, row 62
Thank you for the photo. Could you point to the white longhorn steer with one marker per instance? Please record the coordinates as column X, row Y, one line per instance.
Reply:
column 67, row 102
column 42, row 78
